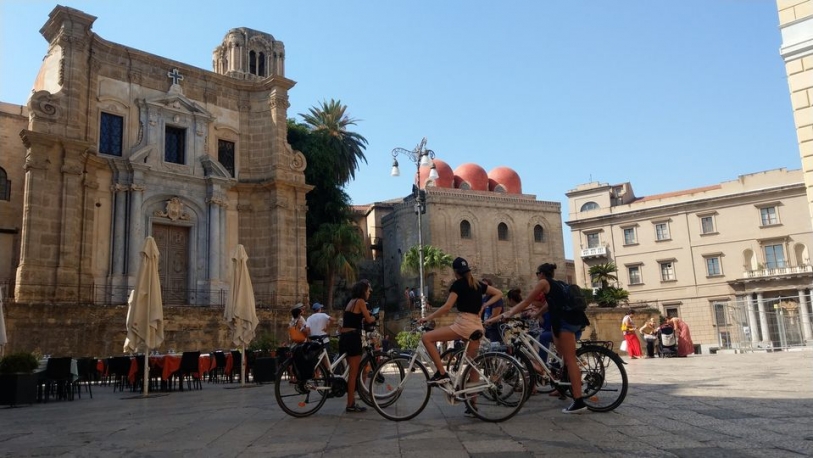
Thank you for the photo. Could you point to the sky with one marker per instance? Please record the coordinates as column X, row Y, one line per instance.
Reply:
column 667, row 95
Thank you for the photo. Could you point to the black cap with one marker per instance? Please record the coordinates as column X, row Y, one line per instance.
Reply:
column 460, row 266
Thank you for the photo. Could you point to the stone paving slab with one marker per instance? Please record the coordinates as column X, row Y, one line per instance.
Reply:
column 750, row 405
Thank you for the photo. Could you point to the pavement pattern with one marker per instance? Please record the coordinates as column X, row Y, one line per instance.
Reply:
column 743, row 405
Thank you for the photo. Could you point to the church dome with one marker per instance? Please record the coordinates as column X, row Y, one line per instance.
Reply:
column 445, row 175
column 471, row 176
column 506, row 178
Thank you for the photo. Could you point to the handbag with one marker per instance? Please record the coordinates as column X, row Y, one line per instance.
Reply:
column 623, row 346
column 296, row 335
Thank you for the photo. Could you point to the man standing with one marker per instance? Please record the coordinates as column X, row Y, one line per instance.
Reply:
column 413, row 297
column 319, row 322
column 408, row 298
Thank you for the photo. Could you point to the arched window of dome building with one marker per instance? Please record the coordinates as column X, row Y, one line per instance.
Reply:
column 465, row 229
column 465, row 186
column 252, row 62
column 589, row 206
column 5, row 185
column 502, row 232
column 539, row 234
column 261, row 64
column 500, row 188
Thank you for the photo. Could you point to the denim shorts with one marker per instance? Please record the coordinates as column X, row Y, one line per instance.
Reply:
column 572, row 328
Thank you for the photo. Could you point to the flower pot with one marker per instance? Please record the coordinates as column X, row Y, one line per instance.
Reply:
column 18, row 388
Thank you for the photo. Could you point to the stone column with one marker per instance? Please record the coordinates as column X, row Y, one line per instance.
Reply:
column 763, row 320
column 215, row 244
column 804, row 316
column 752, row 319
column 136, row 233
column 119, row 229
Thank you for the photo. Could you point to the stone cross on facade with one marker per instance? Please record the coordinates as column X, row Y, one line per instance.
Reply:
column 175, row 76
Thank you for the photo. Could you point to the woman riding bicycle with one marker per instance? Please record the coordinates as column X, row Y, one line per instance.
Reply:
column 565, row 327
column 467, row 293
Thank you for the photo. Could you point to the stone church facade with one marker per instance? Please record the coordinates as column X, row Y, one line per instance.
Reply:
column 483, row 217
column 116, row 144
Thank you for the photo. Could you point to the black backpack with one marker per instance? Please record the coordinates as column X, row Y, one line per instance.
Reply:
column 305, row 356
column 574, row 299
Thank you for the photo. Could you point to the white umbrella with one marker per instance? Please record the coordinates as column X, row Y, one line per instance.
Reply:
column 240, row 313
column 3, row 338
column 145, row 315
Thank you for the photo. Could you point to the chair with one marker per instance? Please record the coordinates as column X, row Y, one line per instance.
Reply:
column 190, row 370
column 219, row 372
column 236, row 365
column 59, row 379
column 87, row 374
column 118, row 371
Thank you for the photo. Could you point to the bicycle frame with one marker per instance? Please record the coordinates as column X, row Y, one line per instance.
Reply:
column 451, row 389
column 528, row 347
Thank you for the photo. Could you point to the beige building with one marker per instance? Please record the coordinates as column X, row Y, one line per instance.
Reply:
column 116, row 144
column 731, row 259
column 483, row 217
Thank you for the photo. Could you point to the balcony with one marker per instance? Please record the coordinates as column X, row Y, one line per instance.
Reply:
column 595, row 252
column 776, row 271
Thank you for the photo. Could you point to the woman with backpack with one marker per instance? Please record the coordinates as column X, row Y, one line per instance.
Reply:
column 565, row 324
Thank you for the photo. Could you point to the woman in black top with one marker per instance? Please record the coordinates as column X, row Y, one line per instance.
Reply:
column 355, row 314
column 467, row 293
column 566, row 325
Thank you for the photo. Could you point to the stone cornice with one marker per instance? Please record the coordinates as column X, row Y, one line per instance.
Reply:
column 619, row 215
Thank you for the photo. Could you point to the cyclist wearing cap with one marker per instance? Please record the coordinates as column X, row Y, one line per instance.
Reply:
column 319, row 321
column 467, row 293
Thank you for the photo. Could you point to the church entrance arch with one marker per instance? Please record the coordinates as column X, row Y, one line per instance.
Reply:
column 173, row 267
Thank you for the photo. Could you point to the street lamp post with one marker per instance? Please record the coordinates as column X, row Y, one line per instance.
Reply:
column 419, row 156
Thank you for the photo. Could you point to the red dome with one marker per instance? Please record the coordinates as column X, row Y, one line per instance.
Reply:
column 507, row 178
column 473, row 175
column 445, row 175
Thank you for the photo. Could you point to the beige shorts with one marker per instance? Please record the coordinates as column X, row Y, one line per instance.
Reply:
column 465, row 324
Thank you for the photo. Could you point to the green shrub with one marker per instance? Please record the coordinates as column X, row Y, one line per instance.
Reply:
column 264, row 341
column 408, row 340
column 19, row 362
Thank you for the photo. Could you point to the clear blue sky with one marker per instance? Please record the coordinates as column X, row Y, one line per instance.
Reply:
column 668, row 95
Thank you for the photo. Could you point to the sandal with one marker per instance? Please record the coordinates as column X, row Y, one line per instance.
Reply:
column 355, row 409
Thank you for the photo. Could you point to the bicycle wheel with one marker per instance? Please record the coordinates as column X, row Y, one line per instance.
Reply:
column 604, row 379
column 367, row 367
column 299, row 398
column 539, row 382
column 504, row 390
column 403, row 392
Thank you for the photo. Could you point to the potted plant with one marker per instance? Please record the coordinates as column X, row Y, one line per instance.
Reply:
column 18, row 382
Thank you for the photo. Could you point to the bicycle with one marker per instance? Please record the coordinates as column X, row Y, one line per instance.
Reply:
column 302, row 394
column 604, row 379
column 404, row 392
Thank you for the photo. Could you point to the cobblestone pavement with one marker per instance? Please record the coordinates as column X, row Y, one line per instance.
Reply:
column 758, row 404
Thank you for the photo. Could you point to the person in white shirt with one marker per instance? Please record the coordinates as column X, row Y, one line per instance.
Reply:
column 319, row 321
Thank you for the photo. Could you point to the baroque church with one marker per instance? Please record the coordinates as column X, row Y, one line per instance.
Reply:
column 116, row 144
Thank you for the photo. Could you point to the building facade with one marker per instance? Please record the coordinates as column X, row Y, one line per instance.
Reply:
column 731, row 259
column 116, row 144
column 483, row 217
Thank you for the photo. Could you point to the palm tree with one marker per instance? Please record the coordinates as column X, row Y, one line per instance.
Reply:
column 603, row 273
column 433, row 258
column 335, row 250
column 331, row 121
column 611, row 296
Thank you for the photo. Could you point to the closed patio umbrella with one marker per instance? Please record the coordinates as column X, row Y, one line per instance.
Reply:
column 145, row 315
column 240, row 313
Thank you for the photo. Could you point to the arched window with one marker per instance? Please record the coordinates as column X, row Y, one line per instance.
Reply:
column 262, row 64
column 502, row 232
column 589, row 206
column 465, row 229
column 5, row 185
column 539, row 234
column 252, row 62
column 464, row 185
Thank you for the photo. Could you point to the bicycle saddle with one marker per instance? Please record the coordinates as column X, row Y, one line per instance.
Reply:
column 476, row 335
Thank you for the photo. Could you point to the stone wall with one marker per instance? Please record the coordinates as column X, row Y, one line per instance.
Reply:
column 86, row 330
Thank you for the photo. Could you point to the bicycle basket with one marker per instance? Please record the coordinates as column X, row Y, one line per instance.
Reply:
column 305, row 357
